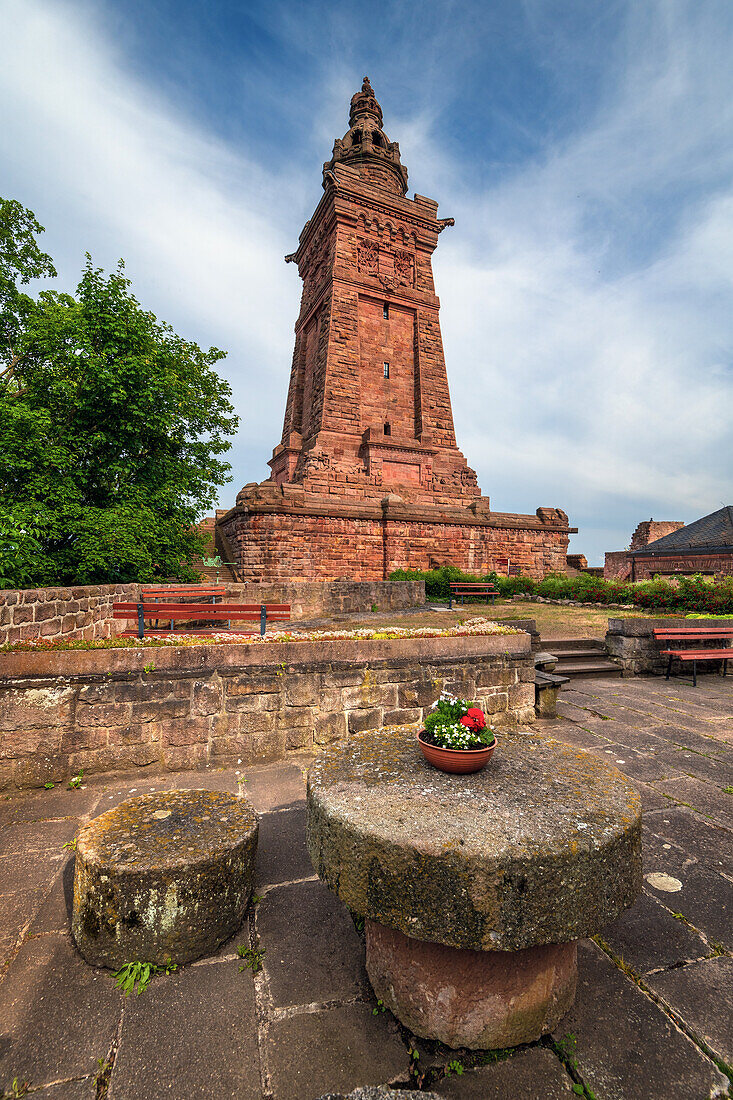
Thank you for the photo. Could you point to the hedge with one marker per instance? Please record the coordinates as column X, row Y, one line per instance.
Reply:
column 689, row 594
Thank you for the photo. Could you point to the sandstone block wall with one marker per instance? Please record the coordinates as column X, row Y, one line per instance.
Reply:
column 55, row 613
column 107, row 710
column 321, row 599
column 632, row 642
column 290, row 545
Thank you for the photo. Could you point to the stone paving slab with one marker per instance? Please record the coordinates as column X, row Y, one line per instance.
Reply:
column 702, row 995
column 24, row 837
column 706, row 798
column 647, row 937
column 334, row 1049
column 54, row 913
column 703, row 896
column 29, row 870
column 693, row 833
column 57, row 1015
column 208, row 1017
column 535, row 1074
column 329, row 953
column 43, row 805
column 275, row 786
column 624, row 1045
column 281, row 853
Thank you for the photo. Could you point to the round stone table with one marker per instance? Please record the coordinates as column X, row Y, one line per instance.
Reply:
column 474, row 888
column 163, row 876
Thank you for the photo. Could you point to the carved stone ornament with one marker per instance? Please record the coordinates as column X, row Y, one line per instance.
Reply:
column 368, row 257
column 404, row 267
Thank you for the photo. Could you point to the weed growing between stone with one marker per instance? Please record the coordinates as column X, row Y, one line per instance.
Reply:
column 252, row 958
column 139, row 974
column 15, row 1090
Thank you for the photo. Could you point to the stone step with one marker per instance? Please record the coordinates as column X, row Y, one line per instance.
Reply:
column 587, row 669
column 576, row 654
column 562, row 645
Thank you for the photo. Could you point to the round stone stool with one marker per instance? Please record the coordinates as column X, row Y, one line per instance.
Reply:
column 474, row 888
column 163, row 876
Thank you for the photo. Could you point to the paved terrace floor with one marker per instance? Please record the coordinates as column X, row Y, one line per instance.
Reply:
column 652, row 1019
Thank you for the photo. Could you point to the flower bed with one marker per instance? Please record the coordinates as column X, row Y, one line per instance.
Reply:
column 475, row 626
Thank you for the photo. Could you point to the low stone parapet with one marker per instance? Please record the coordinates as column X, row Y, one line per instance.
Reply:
column 217, row 705
column 82, row 612
column 632, row 642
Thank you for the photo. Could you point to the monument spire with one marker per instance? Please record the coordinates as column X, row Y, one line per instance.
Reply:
column 366, row 147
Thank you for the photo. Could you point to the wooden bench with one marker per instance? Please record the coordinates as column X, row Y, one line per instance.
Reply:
column 696, row 634
column 198, row 612
column 195, row 593
column 471, row 588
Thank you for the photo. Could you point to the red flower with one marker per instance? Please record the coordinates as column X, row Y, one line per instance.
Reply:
column 474, row 719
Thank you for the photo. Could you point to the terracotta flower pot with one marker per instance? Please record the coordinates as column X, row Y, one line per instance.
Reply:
column 457, row 761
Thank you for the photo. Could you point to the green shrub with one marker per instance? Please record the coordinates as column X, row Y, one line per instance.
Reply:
column 691, row 594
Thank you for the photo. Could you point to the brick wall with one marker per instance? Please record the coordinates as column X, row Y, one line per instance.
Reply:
column 622, row 566
column 83, row 612
column 107, row 710
column 617, row 566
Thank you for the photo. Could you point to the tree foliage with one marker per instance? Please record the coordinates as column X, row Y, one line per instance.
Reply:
column 112, row 427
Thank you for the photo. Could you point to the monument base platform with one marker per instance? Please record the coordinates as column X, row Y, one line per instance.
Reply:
column 280, row 532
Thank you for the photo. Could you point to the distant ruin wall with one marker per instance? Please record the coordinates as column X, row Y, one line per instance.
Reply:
column 649, row 530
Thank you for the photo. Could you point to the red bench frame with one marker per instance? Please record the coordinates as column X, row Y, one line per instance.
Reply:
column 471, row 588
column 695, row 634
column 248, row 612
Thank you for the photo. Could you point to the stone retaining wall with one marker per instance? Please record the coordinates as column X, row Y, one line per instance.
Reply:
column 54, row 613
column 86, row 611
column 632, row 641
column 324, row 599
column 199, row 706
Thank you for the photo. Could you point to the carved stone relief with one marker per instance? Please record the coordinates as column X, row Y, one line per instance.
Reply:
column 368, row 257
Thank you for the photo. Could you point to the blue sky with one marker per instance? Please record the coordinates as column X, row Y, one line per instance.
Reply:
column 585, row 150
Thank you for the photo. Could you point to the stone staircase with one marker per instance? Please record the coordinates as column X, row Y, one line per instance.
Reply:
column 581, row 658
column 209, row 573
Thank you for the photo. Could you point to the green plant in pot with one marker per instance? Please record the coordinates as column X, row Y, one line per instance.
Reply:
column 456, row 737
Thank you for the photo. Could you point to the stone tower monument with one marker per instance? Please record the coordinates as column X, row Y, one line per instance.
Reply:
column 367, row 476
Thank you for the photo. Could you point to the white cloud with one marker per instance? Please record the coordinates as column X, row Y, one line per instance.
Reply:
column 107, row 166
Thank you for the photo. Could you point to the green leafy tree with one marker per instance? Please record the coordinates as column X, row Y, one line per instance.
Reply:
column 112, row 427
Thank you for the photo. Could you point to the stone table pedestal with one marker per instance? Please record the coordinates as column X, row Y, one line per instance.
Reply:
column 474, row 888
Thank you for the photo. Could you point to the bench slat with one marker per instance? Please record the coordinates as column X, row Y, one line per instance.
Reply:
column 699, row 654
column 222, row 610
